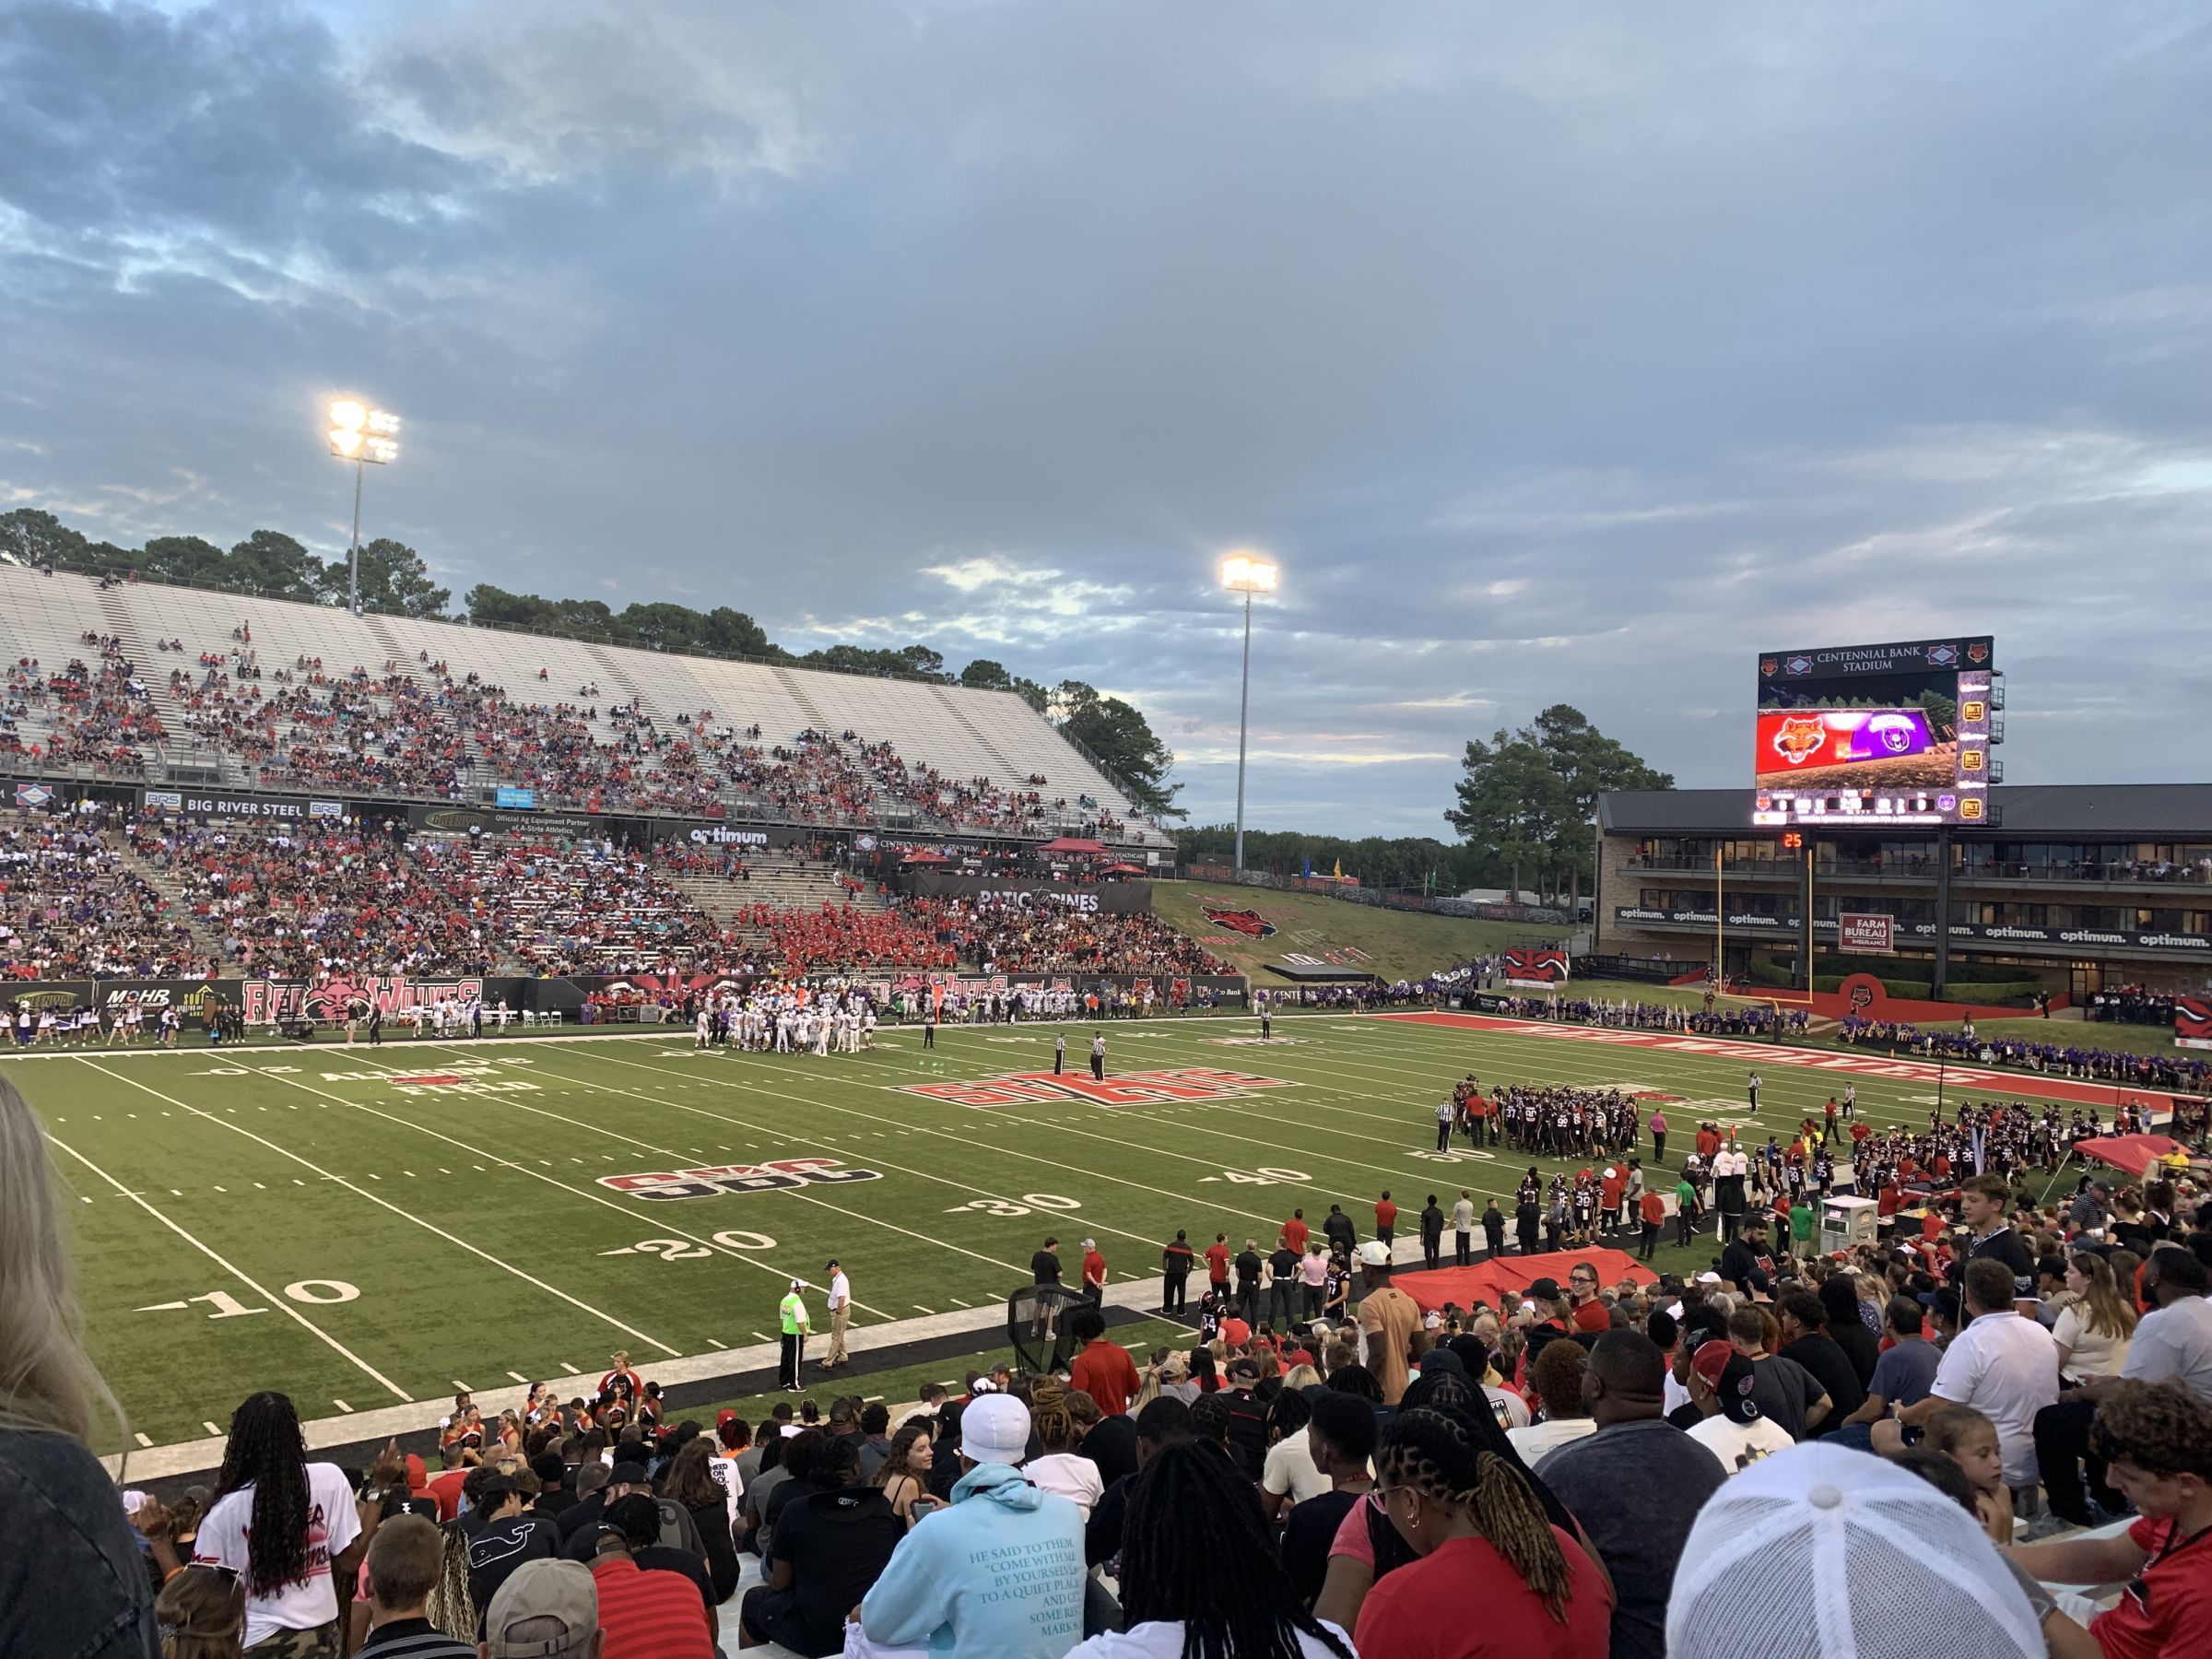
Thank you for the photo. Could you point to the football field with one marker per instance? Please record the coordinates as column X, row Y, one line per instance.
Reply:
column 371, row 1228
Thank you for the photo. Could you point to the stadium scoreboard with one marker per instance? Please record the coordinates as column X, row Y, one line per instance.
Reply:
column 1875, row 735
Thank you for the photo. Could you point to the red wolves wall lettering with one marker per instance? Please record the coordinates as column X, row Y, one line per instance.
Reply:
column 262, row 1001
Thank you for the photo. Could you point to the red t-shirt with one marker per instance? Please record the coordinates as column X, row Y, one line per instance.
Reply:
column 1386, row 1214
column 1235, row 1332
column 1094, row 1267
column 446, row 1489
column 2169, row 1598
column 650, row 1615
column 1294, row 1235
column 1612, row 1190
column 1421, row 1610
column 1593, row 1315
column 1653, row 1209
column 1104, row 1371
column 1217, row 1264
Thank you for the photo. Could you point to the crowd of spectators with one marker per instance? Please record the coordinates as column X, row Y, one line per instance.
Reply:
column 2056, row 1059
column 94, row 714
column 71, row 907
column 323, row 897
column 1005, row 936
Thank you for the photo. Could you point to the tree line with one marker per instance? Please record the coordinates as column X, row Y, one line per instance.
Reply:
column 395, row 581
column 1526, row 805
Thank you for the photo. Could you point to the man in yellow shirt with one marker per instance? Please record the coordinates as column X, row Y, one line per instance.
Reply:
column 795, row 1325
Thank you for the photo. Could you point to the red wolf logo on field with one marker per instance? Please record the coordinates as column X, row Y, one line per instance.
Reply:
column 265, row 1000
column 1249, row 923
column 1800, row 739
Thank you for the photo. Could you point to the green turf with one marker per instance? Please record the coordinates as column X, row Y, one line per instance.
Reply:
column 483, row 1249
column 1395, row 943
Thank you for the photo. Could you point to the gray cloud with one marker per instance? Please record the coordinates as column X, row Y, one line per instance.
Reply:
column 1556, row 359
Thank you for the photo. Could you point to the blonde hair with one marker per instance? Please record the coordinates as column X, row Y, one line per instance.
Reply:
column 2105, row 1312
column 202, row 1614
column 47, row 1379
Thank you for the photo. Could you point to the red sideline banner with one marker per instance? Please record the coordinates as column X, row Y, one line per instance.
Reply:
column 1503, row 1277
column 1535, row 968
column 2192, row 1021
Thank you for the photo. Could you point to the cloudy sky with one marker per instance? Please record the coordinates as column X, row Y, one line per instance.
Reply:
column 1557, row 357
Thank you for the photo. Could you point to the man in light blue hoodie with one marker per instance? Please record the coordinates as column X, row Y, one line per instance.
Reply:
column 1000, row 1573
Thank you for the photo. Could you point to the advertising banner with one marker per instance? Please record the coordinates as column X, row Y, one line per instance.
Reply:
column 1866, row 935
column 245, row 804
column 1110, row 896
column 1995, row 933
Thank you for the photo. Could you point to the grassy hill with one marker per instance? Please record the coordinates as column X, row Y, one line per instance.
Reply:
column 1394, row 943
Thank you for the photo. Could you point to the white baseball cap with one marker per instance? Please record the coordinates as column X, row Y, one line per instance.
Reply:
column 995, row 1429
column 1883, row 1559
column 1374, row 1253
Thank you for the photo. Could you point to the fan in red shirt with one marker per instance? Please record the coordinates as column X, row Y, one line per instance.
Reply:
column 1103, row 1370
column 1217, row 1264
column 2156, row 1439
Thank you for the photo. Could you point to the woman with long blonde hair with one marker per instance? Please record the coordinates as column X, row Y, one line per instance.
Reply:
column 89, row 1589
column 2094, row 1332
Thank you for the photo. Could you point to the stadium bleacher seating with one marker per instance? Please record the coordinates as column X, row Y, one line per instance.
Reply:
column 184, row 684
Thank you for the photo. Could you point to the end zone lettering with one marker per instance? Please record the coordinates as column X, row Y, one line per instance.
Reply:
column 1131, row 1088
column 777, row 1174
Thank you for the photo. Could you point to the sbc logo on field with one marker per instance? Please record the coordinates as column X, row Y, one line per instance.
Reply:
column 1130, row 1089
column 779, row 1174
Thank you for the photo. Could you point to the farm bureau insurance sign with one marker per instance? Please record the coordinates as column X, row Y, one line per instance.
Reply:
column 1129, row 1089
column 778, row 1174
column 1873, row 934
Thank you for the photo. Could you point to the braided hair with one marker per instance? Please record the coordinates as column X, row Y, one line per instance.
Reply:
column 1055, row 1425
column 1197, row 1549
column 1433, row 1452
column 267, row 1451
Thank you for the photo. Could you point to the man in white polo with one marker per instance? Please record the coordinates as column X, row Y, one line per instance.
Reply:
column 2001, row 1363
column 840, row 1314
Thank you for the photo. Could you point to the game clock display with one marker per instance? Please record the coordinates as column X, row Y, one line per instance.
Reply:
column 1895, row 734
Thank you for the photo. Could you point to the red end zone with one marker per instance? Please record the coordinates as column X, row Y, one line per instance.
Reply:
column 2019, row 1085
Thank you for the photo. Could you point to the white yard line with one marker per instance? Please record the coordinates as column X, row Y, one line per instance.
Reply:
column 282, row 1304
column 598, row 1198
column 460, row 1244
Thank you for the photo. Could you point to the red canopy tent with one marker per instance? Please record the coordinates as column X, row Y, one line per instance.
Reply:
column 1502, row 1276
column 1123, row 869
column 923, row 856
column 1073, row 844
column 2132, row 1154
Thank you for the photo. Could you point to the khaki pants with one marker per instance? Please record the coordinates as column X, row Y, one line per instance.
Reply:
column 838, row 1316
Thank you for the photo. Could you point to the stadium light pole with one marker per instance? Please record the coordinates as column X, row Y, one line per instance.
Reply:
column 1246, row 573
column 361, row 435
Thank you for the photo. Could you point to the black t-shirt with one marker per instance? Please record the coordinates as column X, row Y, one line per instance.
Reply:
column 1045, row 1267
column 1785, row 1391
column 502, row 1547
column 1338, row 1230
column 1284, row 1263
column 1820, row 1354
column 1248, row 1267
column 1525, row 1217
column 1432, row 1223
column 1749, row 1267
column 1248, row 1431
column 1307, row 1535
column 1493, row 1223
column 1111, row 1444
column 838, row 1543
column 1860, row 1346
column 2007, row 1246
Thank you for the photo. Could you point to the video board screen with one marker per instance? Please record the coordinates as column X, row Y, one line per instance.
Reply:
column 1894, row 734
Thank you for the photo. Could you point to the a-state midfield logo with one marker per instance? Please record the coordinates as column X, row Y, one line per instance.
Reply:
column 1129, row 1089
column 778, row 1174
